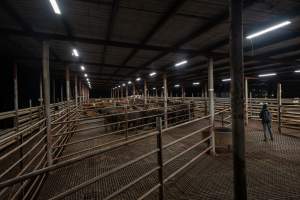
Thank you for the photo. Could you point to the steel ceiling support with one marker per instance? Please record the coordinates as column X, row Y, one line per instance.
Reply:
column 237, row 99
column 110, row 27
column 176, row 5
column 195, row 34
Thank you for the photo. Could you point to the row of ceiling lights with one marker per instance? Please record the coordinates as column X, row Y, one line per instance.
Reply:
column 260, row 76
column 152, row 74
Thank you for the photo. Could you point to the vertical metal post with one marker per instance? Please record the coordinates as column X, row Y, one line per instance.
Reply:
column 189, row 111
column 250, row 105
column 279, row 106
column 61, row 93
column 160, row 157
column 127, row 93
column 68, row 83
column 122, row 92
column 126, row 119
column 246, row 102
column 68, row 95
column 133, row 91
column 46, row 83
column 145, row 92
column 165, row 100
column 76, row 90
column 16, row 105
column 211, row 101
column 237, row 99
column 53, row 91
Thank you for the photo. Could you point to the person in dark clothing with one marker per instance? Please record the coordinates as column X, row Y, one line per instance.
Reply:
column 266, row 119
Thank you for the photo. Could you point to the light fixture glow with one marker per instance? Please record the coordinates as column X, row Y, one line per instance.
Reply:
column 129, row 82
column 119, row 86
column 88, row 80
column 123, row 84
column 75, row 53
column 226, row 79
column 154, row 88
column 272, row 28
column 177, row 85
column 55, row 7
column 82, row 68
column 266, row 75
column 181, row 63
column 138, row 79
column 196, row 83
column 297, row 71
column 85, row 75
column 152, row 74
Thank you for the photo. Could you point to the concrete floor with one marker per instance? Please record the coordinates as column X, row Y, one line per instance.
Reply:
column 273, row 169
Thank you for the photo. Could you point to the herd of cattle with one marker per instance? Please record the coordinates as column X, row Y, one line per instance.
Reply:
column 142, row 117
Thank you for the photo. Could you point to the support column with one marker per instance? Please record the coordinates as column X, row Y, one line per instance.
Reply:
column 68, row 83
column 41, row 90
column 211, row 101
column 165, row 100
column 76, row 90
column 53, row 91
column 237, row 99
column 145, row 92
column 46, row 83
column 61, row 93
column 127, row 93
column 133, row 91
column 279, row 106
column 246, row 102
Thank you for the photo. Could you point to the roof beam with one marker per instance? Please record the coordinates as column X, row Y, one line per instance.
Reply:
column 110, row 27
column 93, row 41
column 176, row 5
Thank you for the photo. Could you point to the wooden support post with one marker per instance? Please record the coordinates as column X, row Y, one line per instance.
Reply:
column 279, row 106
column 46, row 83
column 165, row 100
column 211, row 102
column 246, row 102
column 237, row 99
column 160, row 157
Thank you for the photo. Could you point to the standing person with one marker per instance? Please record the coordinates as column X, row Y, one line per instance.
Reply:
column 266, row 119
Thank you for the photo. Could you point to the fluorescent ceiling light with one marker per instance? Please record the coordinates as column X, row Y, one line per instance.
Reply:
column 154, row 88
column 177, row 85
column 297, row 71
column 272, row 28
column 119, row 86
column 226, row 79
column 152, row 74
column 138, row 79
column 129, row 82
column 181, row 63
column 196, row 83
column 266, row 75
column 55, row 7
column 82, row 68
column 123, row 84
column 75, row 53
column 85, row 75
column 88, row 80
